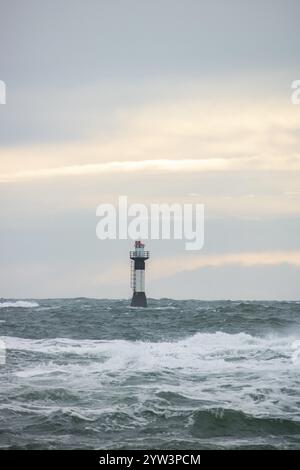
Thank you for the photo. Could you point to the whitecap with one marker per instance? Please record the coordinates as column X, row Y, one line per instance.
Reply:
column 19, row 304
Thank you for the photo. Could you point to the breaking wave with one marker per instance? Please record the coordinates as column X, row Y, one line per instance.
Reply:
column 95, row 374
column 19, row 304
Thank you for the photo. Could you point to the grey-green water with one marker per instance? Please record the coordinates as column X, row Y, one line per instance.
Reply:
column 84, row 373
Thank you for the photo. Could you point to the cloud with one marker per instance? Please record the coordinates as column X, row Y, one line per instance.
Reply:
column 166, row 267
column 162, row 166
column 187, row 133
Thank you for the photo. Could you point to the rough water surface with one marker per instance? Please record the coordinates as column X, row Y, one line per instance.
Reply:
column 97, row 374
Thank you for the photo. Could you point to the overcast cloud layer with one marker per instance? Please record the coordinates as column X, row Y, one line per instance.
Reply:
column 163, row 101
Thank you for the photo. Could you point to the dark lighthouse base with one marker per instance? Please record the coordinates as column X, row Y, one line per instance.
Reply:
column 139, row 300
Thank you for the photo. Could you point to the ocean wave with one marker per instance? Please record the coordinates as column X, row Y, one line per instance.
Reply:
column 199, row 367
column 219, row 422
column 19, row 304
column 202, row 351
column 120, row 385
column 168, row 307
column 296, row 353
column 209, row 374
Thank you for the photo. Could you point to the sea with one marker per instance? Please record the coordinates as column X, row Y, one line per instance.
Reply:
column 182, row 374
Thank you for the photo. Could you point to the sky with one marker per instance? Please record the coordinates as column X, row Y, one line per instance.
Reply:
column 162, row 101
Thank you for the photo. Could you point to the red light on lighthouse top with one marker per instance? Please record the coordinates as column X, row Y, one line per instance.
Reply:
column 139, row 244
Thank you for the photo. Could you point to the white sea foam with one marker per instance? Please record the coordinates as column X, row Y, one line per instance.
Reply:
column 296, row 353
column 198, row 352
column 19, row 304
column 236, row 370
column 170, row 307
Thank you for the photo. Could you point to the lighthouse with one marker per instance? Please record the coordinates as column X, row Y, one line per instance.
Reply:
column 138, row 258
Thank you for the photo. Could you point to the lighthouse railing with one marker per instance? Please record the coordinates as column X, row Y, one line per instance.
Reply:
column 140, row 254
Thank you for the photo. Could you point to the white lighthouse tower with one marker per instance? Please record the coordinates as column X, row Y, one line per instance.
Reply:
column 138, row 257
